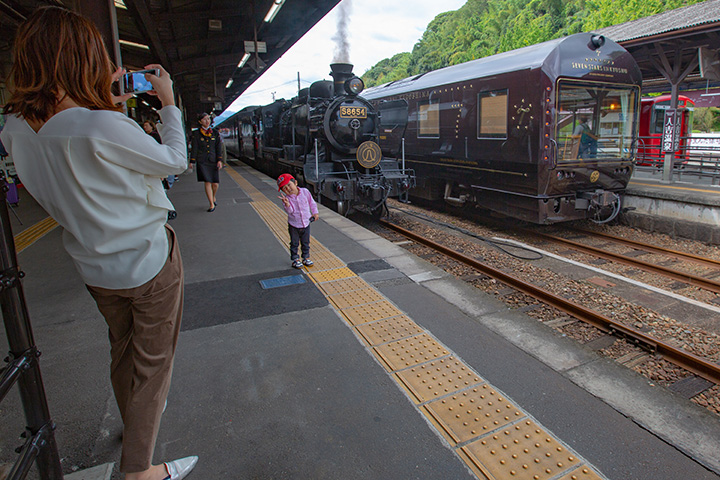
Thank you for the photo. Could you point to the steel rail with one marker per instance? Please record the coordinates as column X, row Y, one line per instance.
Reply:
column 689, row 361
column 705, row 283
column 653, row 249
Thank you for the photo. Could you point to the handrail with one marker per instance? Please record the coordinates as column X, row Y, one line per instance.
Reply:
column 690, row 160
column 24, row 368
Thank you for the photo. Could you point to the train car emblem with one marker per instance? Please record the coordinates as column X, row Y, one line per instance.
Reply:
column 594, row 176
column 369, row 154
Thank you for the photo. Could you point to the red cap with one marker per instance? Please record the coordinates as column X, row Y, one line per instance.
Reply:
column 284, row 179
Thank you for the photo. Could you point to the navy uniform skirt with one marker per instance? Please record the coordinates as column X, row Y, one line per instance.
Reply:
column 207, row 172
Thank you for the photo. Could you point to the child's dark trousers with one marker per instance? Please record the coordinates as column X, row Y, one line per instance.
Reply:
column 299, row 237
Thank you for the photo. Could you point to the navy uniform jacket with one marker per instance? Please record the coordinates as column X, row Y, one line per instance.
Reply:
column 206, row 149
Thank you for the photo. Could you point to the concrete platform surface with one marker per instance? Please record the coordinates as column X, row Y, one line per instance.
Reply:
column 276, row 383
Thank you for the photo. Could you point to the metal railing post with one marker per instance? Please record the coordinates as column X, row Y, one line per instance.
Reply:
column 317, row 171
column 24, row 367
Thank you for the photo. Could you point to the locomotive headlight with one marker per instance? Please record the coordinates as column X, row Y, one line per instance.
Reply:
column 354, row 86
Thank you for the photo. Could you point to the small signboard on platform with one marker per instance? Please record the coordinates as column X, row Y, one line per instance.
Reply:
column 671, row 131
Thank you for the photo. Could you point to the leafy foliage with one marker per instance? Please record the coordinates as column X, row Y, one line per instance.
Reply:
column 486, row 27
column 706, row 120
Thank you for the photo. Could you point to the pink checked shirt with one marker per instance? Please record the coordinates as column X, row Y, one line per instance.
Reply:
column 302, row 207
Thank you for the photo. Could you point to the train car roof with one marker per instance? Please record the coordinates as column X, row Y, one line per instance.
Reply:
column 665, row 98
column 526, row 58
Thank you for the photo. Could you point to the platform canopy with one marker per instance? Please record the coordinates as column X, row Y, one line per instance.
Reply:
column 202, row 43
column 676, row 47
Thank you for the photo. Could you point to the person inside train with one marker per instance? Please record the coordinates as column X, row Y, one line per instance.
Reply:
column 587, row 139
column 207, row 155
column 302, row 210
column 98, row 174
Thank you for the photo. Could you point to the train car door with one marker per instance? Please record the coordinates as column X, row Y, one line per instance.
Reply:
column 393, row 123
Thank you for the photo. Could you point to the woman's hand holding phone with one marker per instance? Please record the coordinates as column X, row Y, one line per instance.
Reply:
column 117, row 75
column 162, row 84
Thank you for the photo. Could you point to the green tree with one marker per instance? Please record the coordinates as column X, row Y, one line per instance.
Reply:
column 485, row 27
column 706, row 120
column 388, row 70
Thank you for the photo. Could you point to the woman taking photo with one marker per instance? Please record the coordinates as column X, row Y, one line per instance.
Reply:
column 98, row 174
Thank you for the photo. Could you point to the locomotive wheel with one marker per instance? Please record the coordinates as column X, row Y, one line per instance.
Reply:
column 380, row 210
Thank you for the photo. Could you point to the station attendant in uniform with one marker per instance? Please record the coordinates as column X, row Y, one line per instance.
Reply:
column 207, row 154
column 98, row 174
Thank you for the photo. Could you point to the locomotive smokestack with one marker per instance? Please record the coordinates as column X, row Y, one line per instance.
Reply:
column 341, row 72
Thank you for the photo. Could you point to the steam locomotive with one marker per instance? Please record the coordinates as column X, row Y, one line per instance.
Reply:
column 546, row 133
column 327, row 138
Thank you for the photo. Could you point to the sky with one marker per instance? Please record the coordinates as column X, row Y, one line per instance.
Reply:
column 377, row 29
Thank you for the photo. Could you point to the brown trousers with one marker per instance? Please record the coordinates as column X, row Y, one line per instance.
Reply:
column 143, row 324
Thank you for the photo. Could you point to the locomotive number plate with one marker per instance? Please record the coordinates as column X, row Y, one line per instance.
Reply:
column 353, row 112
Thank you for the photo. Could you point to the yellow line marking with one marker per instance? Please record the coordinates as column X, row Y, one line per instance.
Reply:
column 655, row 185
column 34, row 233
column 476, row 419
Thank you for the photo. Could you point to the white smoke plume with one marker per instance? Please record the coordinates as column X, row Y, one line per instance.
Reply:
column 342, row 42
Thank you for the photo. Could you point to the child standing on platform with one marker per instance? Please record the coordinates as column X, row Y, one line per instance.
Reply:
column 301, row 210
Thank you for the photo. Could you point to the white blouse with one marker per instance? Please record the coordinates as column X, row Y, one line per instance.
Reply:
column 99, row 175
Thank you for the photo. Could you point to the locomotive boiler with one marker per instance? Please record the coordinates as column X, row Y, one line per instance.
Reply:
column 327, row 138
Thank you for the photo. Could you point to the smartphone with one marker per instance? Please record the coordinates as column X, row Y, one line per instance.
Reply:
column 135, row 82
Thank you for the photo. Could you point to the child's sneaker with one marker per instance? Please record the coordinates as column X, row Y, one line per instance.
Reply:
column 297, row 264
column 307, row 262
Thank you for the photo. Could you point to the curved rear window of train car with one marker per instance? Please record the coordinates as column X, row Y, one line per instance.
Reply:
column 596, row 121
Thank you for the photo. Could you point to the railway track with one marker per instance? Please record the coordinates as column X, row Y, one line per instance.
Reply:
column 654, row 323
column 689, row 278
column 668, row 252
column 688, row 361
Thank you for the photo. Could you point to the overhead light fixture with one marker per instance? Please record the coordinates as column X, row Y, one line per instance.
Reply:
column 120, row 4
column 229, row 83
column 274, row 10
column 245, row 58
column 133, row 44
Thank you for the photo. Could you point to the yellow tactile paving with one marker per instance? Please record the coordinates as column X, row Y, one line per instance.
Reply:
column 583, row 472
column 370, row 312
column 320, row 276
column 355, row 298
column 523, row 450
column 389, row 330
column 492, row 435
column 472, row 413
column 437, row 378
column 34, row 233
column 410, row 352
column 347, row 284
